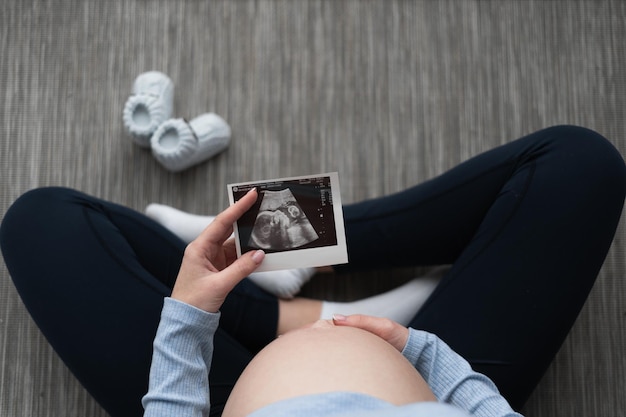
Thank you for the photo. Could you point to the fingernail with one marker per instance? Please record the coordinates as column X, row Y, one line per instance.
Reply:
column 339, row 317
column 258, row 256
column 253, row 189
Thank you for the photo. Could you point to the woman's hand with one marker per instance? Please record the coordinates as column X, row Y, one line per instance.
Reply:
column 210, row 268
column 390, row 331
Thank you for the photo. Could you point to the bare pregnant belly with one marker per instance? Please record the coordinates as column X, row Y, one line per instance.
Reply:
column 326, row 358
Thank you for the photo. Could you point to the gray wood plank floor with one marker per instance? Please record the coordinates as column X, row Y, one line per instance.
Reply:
column 387, row 92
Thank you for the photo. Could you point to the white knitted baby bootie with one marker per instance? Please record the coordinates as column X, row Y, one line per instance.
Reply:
column 149, row 105
column 178, row 144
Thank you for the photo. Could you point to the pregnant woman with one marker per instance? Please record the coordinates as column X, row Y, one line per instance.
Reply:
column 525, row 227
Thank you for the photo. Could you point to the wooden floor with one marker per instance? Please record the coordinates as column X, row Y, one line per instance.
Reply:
column 388, row 93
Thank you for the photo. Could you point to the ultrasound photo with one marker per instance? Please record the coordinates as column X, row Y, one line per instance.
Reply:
column 297, row 221
column 281, row 223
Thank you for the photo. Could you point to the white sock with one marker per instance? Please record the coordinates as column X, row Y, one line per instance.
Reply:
column 400, row 304
column 187, row 226
column 283, row 284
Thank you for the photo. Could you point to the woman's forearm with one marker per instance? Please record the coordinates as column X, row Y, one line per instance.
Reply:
column 451, row 377
column 183, row 349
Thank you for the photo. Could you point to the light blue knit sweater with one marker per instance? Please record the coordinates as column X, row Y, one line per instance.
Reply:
column 183, row 349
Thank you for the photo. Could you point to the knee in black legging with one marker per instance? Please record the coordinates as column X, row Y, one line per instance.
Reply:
column 597, row 163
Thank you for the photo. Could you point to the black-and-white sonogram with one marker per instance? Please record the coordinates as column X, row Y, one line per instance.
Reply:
column 297, row 221
column 281, row 223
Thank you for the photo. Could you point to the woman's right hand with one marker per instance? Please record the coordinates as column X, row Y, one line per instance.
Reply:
column 210, row 267
column 393, row 333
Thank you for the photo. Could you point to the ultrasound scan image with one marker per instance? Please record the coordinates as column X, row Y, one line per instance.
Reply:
column 281, row 224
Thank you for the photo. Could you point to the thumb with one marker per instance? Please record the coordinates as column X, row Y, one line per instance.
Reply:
column 222, row 282
column 244, row 265
column 388, row 330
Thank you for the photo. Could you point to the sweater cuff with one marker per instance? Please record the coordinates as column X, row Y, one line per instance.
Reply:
column 415, row 345
column 178, row 312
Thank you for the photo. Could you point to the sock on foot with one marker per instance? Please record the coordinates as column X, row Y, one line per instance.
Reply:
column 283, row 284
column 400, row 304
column 187, row 226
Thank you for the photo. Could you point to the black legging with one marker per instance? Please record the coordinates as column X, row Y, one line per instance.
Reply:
column 526, row 226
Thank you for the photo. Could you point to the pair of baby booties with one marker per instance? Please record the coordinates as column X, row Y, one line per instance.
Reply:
column 176, row 143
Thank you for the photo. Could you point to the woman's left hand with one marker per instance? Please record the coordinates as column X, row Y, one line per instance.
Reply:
column 393, row 333
column 210, row 268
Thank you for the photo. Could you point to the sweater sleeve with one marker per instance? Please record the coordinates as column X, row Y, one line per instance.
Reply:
column 452, row 379
column 179, row 374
